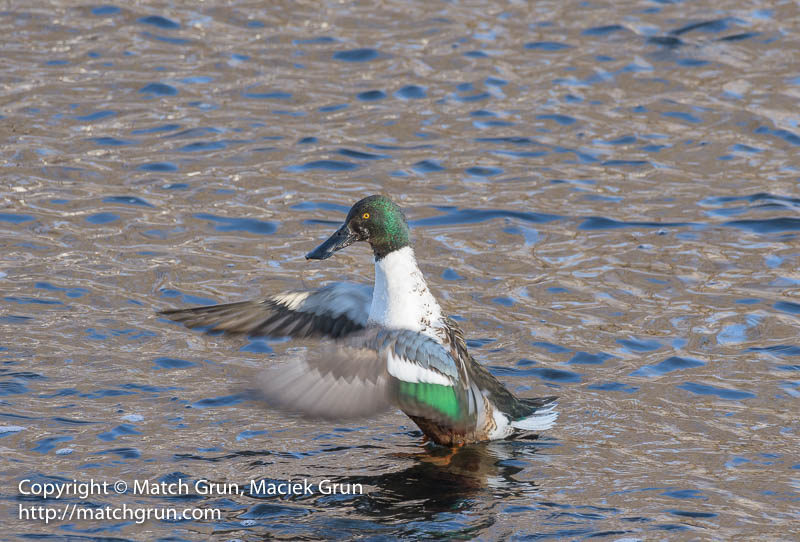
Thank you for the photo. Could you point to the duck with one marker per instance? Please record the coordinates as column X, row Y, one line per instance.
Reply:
column 389, row 346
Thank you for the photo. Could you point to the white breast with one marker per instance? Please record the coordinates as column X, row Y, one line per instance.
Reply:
column 401, row 299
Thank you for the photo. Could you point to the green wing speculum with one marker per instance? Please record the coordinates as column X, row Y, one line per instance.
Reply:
column 425, row 381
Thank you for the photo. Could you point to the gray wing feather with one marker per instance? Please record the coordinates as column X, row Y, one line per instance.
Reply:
column 333, row 311
column 410, row 345
column 339, row 382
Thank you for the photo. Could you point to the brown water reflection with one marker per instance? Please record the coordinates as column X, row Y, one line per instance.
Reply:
column 607, row 195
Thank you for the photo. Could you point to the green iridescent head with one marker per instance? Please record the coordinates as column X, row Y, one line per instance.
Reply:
column 375, row 219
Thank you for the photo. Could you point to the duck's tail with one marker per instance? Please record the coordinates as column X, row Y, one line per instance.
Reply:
column 542, row 416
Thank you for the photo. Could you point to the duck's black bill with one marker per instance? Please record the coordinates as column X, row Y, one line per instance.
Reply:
column 343, row 237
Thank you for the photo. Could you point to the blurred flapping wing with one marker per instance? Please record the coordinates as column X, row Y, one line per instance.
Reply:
column 367, row 372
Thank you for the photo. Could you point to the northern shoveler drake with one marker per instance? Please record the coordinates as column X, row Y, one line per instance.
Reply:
column 390, row 346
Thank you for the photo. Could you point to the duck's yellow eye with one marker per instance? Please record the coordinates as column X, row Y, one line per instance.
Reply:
column 365, row 216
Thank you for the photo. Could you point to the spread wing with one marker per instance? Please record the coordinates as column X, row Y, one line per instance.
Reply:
column 368, row 372
column 333, row 311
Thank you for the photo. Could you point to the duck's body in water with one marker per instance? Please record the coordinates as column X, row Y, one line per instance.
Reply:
column 392, row 346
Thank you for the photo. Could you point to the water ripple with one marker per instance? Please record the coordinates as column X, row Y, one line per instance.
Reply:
column 472, row 216
column 547, row 46
column 160, row 22
column 250, row 225
column 159, row 89
column 722, row 393
column 357, row 55
column 673, row 363
column 327, row 165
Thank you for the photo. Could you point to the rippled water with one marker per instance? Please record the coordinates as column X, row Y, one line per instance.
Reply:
column 607, row 198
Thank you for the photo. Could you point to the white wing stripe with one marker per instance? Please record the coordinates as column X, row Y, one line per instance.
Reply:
column 292, row 300
column 408, row 371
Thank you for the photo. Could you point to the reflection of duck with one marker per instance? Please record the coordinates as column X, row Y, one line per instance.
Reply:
column 440, row 479
column 394, row 346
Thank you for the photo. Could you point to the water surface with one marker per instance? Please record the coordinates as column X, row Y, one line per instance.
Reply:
column 606, row 197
